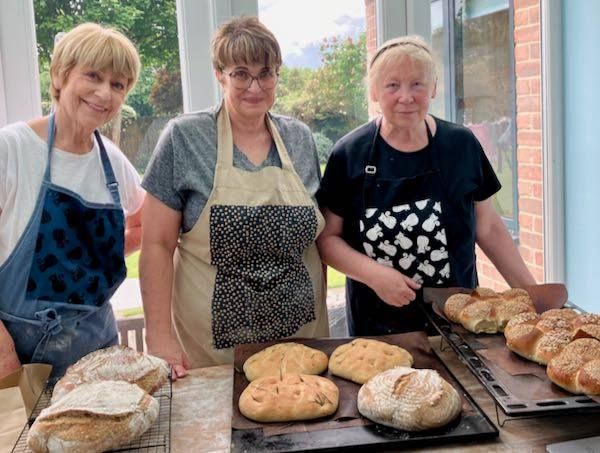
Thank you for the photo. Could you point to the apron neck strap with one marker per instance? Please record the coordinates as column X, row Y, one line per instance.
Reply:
column 109, row 175
column 225, row 140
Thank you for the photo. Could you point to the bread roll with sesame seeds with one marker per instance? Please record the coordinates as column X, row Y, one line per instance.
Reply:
column 541, row 337
column 486, row 311
column 290, row 397
column 363, row 358
column 577, row 367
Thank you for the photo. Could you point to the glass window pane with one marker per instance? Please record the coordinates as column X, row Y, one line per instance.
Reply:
column 322, row 81
column 485, row 87
column 152, row 27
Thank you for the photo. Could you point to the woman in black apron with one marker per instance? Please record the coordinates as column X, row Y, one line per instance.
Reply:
column 406, row 197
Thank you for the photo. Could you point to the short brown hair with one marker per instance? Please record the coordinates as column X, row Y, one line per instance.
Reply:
column 97, row 47
column 411, row 46
column 244, row 40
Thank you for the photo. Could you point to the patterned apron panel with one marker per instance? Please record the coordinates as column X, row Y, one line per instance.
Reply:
column 262, row 289
column 411, row 238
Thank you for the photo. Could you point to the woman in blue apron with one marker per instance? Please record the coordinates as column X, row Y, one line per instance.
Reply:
column 406, row 197
column 74, row 199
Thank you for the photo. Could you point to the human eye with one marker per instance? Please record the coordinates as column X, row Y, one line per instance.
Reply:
column 92, row 75
column 240, row 74
column 119, row 86
column 266, row 74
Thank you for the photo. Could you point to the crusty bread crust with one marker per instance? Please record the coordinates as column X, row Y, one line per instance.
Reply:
column 363, row 358
column 94, row 417
column 118, row 363
column 486, row 311
column 290, row 397
column 285, row 358
column 409, row 399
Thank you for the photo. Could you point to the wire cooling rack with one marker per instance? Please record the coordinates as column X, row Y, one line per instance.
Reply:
column 156, row 440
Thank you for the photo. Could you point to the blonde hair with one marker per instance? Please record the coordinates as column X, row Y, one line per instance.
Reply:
column 394, row 50
column 94, row 46
column 245, row 40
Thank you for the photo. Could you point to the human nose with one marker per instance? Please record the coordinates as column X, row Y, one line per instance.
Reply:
column 103, row 90
column 405, row 95
column 251, row 84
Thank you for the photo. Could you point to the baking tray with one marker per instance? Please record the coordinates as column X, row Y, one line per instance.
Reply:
column 346, row 429
column 156, row 440
column 519, row 387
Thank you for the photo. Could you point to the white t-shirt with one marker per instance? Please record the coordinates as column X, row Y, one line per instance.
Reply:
column 23, row 157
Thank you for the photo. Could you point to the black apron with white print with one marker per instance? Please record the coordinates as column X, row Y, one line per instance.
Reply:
column 402, row 226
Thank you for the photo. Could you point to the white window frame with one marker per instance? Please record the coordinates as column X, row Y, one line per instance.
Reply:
column 553, row 141
column 20, row 88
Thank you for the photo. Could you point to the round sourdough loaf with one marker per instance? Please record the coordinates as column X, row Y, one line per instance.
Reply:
column 577, row 367
column 409, row 399
column 94, row 417
column 290, row 397
column 116, row 363
column 486, row 311
column 363, row 358
column 285, row 358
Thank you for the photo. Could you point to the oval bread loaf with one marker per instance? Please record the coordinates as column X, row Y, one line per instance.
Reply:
column 409, row 399
column 363, row 358
column 285, row 358
column 116, row 363
column 485, row 311
column 577, row 367
column 290, row 397
column 94, row 417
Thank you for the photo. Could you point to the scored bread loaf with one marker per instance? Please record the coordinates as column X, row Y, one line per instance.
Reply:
column 290, row 397
column 541, row 337
column 577, row 367
column 363, row 358
column 285, row 358
column 94, row 417
column 486, row 311
column 409, row 399
column 116, row 363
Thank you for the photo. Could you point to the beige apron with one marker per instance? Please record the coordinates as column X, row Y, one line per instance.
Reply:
column 249, row 271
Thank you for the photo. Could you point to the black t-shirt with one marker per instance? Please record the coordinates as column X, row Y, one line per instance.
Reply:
column 468, row 174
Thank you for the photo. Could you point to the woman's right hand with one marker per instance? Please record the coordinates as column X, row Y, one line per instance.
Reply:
column 9, row 361
column 393, row 287
column 167, row 347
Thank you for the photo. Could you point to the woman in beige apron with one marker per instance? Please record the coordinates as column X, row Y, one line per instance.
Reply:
column 248, row 270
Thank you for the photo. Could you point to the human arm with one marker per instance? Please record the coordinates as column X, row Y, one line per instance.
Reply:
column 133, row 232
column 9, row 361
column 159, row 238
column 393, row 287
column 495, row 241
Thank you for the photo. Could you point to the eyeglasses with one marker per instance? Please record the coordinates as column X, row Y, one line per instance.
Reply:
column 242, row 79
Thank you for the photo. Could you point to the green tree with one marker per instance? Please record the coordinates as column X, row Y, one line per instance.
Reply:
column 150, row 24
column 331, row 99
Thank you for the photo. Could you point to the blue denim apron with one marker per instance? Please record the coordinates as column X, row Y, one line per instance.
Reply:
column 56, row 284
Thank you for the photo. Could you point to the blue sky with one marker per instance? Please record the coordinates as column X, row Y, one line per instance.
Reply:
column 300, row 26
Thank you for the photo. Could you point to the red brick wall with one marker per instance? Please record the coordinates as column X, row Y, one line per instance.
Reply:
column 529, row 138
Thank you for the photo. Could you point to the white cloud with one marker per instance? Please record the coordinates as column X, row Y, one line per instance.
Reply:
column 297, row 24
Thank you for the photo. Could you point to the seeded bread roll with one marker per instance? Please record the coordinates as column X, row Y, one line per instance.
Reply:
column 116, row 363
column 409, row 399
column 363, row 358
column 285, row 358
column 94, row 417
column 485, row 311
column 541, row 337
column 290, row 397
column 577, row 367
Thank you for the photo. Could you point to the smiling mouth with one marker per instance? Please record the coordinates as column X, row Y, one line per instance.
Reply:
column 95, row 107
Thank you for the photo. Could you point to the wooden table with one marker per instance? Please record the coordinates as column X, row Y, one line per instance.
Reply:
column 201, row 415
